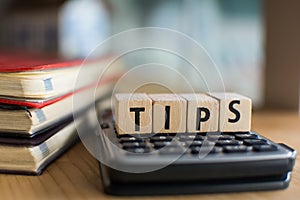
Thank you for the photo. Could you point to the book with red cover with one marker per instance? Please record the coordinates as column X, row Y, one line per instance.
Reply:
column 40, row 103
column 40, row 80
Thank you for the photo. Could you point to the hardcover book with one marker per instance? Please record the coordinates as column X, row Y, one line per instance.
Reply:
column 37, row 79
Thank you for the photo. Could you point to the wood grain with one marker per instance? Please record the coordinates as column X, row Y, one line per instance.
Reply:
column 75, row 175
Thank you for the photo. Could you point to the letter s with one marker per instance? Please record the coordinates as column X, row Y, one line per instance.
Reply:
column 235, row 111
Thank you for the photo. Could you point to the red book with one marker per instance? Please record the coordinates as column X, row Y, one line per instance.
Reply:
column 37, row 81
column 40, row 103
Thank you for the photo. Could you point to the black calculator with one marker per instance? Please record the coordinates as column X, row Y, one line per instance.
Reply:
column 191, row 163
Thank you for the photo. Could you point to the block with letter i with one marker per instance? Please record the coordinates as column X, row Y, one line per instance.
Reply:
column 169, row 113
column 133, row 113
column 202, row 113
column 235, row 112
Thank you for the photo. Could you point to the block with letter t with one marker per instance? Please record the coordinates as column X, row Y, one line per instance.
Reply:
column 133, row 113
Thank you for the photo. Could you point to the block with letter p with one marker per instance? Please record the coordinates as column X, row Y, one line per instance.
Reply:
column 133, row 113
column 202, row 113
column 235, row 112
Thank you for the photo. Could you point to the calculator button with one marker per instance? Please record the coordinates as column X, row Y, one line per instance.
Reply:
column 130, row 139
column 251, row 142
column 186, row 137
column 265, row 147
column 245, row 136
column 191, row 137
column 195, row 143
column 198, row 149
column 161, row 138
column 159, row 144
column 199, row 137
column 127, row 145
column 220, row 137
column 228, row 142
column 235, row 149
column 161, row 134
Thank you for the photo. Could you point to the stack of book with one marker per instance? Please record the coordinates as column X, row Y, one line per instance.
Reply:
column 36, row 109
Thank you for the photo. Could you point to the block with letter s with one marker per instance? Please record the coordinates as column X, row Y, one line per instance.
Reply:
column 235, row 112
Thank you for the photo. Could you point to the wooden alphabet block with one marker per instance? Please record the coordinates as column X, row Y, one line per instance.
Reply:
column 169, row 113
column 133, row 113
column 235, row 112
column 202, row 113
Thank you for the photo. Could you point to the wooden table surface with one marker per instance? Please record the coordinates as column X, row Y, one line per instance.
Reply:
column 75, row 175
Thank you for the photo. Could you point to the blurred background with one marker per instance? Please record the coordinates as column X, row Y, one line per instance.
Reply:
column 241, row 36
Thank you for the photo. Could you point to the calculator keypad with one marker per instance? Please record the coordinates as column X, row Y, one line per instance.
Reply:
column 193, row 143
